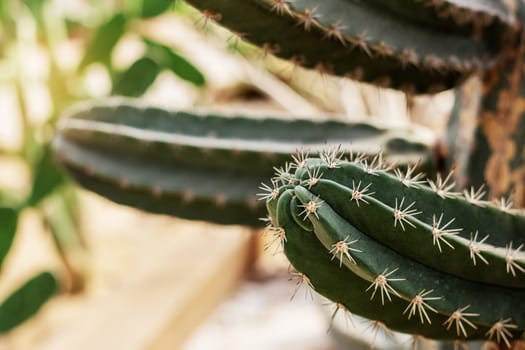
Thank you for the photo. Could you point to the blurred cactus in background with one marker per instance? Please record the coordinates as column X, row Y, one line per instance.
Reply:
column 415, row 257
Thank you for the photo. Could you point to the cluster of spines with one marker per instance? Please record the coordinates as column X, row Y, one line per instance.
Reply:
column 461, row 319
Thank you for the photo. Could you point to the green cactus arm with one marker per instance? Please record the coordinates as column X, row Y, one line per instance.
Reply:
column 160, row 161
column 436, row 245
column 211, row 140
column 470, row 214
column 25, row 301
column 391, row 274
column 339, row 284
column 354, row 39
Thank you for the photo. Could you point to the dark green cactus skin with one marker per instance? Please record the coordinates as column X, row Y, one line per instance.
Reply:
column 362, row 209
column 335, row 283
column 368, row 41
column 162, row 161
column 27, row 300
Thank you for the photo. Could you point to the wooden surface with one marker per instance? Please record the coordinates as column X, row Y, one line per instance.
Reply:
column 153, row 280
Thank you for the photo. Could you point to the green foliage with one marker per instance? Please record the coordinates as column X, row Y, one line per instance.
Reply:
column 25, row 302
column 147, row 8
column 177, row 64
column 47, row 177
column 135, row 80
column 104, row 39
column 9, row 220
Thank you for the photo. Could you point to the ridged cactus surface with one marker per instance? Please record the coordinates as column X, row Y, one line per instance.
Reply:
column 409, row 254
column 415, row 46
column 203, row 165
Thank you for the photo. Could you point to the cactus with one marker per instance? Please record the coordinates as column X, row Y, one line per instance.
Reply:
column 400, row 44
column 414, row 256
column 174, row 153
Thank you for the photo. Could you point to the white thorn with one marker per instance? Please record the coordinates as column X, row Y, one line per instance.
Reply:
column 475, row 248
column 443, row 187
column 501, row 331
column 302, row 280
column 511, row 261
column 418, row 305
column 402, row 215
column 311, row 207
column 358, row 193
column 381, row 282
column 408, row 178
column 459, row 317
column 278, row 238
column 342, row 249
column 440, row 233
column 475, row 196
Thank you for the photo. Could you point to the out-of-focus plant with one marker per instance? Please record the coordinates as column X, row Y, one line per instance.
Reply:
column 46, row 27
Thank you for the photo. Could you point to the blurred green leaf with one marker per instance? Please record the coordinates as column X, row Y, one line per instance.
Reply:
column 177, row 64
column 8, row 225
column 47, row 176
column 37, row 9
column 147, row 8
column 61, row 218
column 151, row 8
column 137, row 78
column 106, row 37
column 27, row 300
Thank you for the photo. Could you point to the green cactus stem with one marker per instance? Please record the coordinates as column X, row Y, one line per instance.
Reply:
column 341, row 285
column 161, row 161
column 409, row 243
column 371, row 41
column 444, row 220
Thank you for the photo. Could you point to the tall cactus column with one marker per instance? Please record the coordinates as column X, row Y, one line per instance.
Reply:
column 496, row 156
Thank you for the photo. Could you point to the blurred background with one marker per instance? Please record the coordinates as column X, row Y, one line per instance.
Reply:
column 129, row 280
